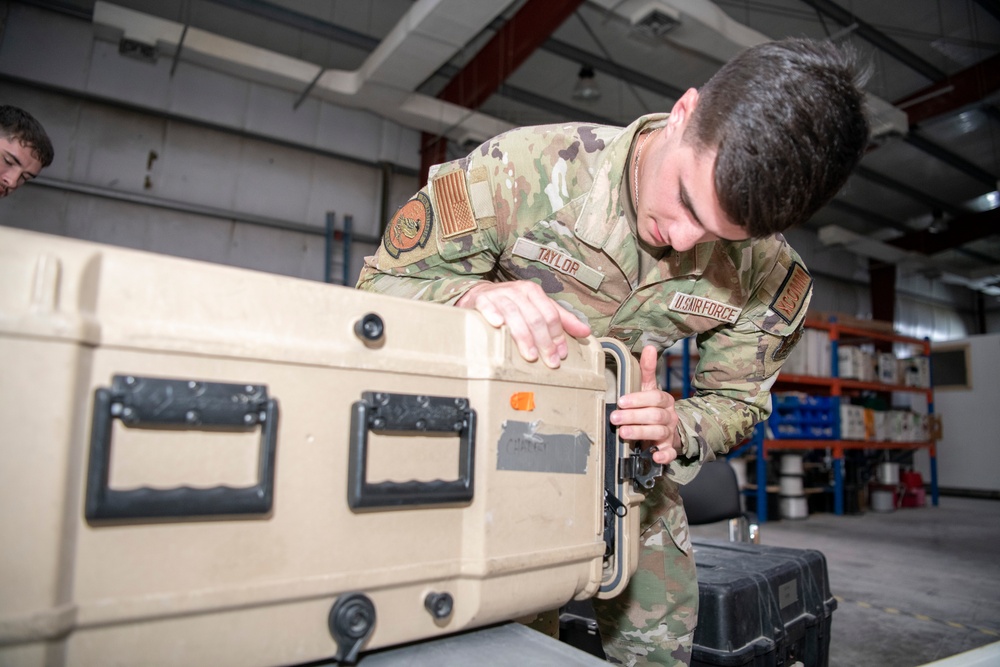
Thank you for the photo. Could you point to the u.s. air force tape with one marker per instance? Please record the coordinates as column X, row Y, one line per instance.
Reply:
column 692, row 304
column 559, row 261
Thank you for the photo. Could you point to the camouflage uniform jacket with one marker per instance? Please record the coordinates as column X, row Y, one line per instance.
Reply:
column 546, row 204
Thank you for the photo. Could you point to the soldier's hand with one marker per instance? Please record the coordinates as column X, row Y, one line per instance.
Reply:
column 648, row 414
column 538, row 324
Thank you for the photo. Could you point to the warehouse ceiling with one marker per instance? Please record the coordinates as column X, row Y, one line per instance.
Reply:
column 925, row 195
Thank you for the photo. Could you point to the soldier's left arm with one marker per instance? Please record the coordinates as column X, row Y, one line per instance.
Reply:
column 737, row 367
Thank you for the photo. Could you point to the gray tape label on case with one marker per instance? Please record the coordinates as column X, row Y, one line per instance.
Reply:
column 788, row 593
column 522, row 447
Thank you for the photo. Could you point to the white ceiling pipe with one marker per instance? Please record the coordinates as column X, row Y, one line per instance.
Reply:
column 384, row 84
column 427, row 37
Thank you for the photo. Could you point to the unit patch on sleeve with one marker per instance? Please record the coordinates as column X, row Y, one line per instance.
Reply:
column 451, row 200
column 787, row 343
column 411, row 226
column 791, row 295
column 702, row 307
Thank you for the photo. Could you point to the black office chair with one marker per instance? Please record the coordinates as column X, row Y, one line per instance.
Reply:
column 714, row 495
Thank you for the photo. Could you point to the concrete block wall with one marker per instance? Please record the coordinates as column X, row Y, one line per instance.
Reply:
column 200, row 164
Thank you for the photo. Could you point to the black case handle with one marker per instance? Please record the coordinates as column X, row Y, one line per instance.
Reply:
column 407, row 413
column 186, row 404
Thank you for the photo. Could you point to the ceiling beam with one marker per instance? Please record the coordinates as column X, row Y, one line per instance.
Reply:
column 959, row 90
column 868, row 216
column 578, row 55
column 913, row 193
column 563, row 111
column 600, row 64
column 288, row 17
column 964, row 229
column 483, row 75
column 992, row 6
column 969, row 169
column 506, row 51
column 955, row 92
column 882, row 221
column 878, row 38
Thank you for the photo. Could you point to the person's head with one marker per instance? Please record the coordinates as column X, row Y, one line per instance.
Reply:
column 787, row 120
column 762, row 146
column 25, row 148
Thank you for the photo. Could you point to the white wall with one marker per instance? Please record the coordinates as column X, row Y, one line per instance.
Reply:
column 968, row 456
column 202, row 164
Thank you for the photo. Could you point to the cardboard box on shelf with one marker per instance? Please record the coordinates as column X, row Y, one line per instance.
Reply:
column 869, row 417
column 888, row 368
column 881, row 424
column 915, row 372
column 855, row 363
column 904, row 426
column 819, row 351
column 852, row 422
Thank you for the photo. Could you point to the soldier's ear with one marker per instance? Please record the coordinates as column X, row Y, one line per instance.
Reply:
column 681, row 112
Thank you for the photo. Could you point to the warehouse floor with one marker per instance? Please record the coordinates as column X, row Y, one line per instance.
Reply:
column 913, row 586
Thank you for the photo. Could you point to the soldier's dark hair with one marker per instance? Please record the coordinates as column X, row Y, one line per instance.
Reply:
column 788, row 121
column 19, row 125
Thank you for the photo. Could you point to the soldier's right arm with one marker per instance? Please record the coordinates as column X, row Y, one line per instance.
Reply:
column 409, row 262
column 443, row 246
column 442, row 242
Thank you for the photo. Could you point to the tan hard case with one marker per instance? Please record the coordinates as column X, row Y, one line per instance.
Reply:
column 210, row 465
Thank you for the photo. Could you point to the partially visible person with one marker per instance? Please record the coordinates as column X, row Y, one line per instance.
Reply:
column 25, row 148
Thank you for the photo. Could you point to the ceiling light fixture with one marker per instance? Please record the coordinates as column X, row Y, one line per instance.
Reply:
column 656, row 21
column 938, row 222
column 586, row 88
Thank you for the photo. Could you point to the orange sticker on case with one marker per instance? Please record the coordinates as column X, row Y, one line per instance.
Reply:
column 523, row 400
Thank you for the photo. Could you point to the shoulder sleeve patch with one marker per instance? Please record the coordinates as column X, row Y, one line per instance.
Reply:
column 791, row 295
column 453, row 205
column 409, row 230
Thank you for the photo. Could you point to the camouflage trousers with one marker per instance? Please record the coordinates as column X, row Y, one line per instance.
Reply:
column 652, row 622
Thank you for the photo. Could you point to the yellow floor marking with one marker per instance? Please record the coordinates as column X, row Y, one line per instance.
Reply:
column 919, row 617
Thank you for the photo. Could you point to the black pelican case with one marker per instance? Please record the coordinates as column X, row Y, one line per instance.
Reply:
column 762, row 606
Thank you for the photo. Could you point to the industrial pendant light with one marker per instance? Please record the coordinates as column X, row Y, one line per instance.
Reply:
column 586, row 87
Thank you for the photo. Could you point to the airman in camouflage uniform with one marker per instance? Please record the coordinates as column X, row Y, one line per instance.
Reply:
column 554, row 206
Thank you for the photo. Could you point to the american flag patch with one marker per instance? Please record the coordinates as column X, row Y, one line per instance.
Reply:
column 451, row 205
